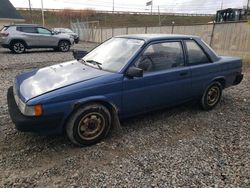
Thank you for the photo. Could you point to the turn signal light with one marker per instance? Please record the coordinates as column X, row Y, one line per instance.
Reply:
column 38, row 110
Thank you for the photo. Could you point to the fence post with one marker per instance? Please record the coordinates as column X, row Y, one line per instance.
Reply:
column 172, row 31
column 92, row 36
column 127, row 30
column 112, row 31
column 212, row 35
column 146, row 29
column 101, row 34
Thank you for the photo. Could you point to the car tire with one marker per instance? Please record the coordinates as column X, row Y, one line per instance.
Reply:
column 64, row 46
column 211, row 96
column 18, row 47
column 88, row 125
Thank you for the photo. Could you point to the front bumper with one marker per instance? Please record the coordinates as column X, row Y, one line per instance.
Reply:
column 42, row 125
column 238, row 79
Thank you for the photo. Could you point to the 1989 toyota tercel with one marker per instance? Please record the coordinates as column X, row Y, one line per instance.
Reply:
column 122, row 77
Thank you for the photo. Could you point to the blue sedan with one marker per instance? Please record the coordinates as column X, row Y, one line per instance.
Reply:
column 123, row 77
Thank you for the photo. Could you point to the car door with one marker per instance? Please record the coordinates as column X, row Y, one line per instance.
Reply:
column 29, row 34
column 46, row 37
column 203, row 70
column 166, row 79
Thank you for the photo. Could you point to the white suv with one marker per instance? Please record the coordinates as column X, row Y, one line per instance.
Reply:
column 18, row 38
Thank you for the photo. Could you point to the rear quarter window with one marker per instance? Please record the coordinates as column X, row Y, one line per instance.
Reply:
column 196, row 55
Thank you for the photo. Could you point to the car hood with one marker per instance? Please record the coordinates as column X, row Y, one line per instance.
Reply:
column 44, row 80
column 62, row 35
column 70, row 34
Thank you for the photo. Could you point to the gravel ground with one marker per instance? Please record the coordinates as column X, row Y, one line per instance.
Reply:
column 177, row 147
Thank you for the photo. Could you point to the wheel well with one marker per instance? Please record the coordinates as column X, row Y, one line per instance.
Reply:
column 109, row 106
column 18, row 40
column 222, row 82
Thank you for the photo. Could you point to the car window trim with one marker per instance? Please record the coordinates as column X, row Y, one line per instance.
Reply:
column 165, row 71
column 202, row 49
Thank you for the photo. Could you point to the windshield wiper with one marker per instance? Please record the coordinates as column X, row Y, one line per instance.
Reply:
column 94, row 63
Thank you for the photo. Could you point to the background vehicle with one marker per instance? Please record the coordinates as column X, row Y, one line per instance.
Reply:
column 67, row 31
column 123, row 77
column 18, row 38
column 231, row 15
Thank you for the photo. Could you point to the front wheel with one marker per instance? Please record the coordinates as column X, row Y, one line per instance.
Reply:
column 211, row 96
column 88, row 125
column 64, row 46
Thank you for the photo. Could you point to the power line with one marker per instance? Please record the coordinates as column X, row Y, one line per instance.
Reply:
column 208, row 6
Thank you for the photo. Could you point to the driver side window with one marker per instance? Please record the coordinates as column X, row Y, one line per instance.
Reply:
column 161, row 56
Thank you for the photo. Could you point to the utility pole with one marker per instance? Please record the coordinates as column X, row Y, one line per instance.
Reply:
column 221, row 5
column 42, row 11
column 248, row 7
column 113, row 6
column 151, row 6
column 30, row 12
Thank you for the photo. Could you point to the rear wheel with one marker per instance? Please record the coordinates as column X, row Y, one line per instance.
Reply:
column 64, row 46
column 88, row 125
column 18, row 47
column 211, row 96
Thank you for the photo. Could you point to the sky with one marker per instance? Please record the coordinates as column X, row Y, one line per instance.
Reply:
column 177, row 6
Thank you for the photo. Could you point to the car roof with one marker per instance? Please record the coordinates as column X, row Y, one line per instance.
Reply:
column 153, row 37
column 61, row 28
column 25, row 25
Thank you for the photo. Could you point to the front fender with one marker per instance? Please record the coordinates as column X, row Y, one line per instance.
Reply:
column 103, row 100
column 90, row 99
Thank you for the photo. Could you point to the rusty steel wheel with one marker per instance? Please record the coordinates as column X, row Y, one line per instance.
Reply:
column 91, row 126
column 88, row 124
column 211, row 96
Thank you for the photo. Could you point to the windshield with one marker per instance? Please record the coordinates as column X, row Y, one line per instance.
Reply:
column 114, row 54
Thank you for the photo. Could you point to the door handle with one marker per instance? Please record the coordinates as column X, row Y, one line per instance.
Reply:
column 183, row 73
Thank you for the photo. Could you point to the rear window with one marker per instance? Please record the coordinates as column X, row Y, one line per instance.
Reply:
column 27, row 29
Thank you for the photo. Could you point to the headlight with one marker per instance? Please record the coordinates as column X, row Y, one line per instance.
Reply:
column 36, row 110
column 33, row 110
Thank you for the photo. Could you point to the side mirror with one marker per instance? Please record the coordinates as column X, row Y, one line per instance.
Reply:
column 134, row 72
column 54, row 32
column 78, row 54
